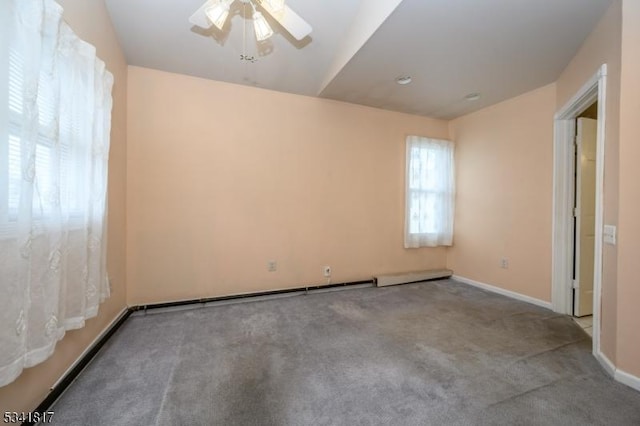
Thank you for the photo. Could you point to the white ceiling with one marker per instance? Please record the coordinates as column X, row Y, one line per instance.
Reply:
column 157, row 34
column 499, row 48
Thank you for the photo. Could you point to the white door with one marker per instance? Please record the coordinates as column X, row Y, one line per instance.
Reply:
column 585, row 214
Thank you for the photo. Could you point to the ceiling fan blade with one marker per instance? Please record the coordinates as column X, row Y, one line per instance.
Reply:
column 290, row 20
column 199, row 18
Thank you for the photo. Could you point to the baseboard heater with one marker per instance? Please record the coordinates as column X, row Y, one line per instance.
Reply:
column 411, row 277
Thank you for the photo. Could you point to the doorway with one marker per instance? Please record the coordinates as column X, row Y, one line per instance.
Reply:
column 578, row 235
column 584, row 209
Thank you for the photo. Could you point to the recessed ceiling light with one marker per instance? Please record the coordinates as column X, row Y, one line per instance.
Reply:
column 472, row 96
column 403, row 80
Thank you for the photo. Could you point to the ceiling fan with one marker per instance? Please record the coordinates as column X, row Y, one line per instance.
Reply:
column 215, row 12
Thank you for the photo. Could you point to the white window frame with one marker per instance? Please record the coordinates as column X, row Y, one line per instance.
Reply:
column 441, row 231
column 8, row 216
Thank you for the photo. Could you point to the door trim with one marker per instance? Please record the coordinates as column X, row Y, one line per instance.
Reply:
column 595, row 89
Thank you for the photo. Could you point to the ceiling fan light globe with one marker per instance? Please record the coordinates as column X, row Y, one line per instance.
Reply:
column 261, row 27
column 218, row 14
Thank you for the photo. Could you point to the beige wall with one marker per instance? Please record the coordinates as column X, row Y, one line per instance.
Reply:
column 223, row 178
column 504, row 190
column 603, row 47
column 90, row 21
column 628, row 349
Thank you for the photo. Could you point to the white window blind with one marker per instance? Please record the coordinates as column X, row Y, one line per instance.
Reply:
column 15, row 86
column 430, row 192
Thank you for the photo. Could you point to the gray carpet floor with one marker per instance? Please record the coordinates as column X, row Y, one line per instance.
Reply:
column 431, row 353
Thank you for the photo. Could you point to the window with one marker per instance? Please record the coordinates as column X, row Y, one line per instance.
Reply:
column 60, row 155
column 430, row 193
column 55, row 122
column 44, row 141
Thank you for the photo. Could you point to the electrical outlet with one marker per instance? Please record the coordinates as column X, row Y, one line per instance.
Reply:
column 272, row 266
column 504, row 263
column 326, row 271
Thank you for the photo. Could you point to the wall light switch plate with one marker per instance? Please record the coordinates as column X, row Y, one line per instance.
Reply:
column 609, row 234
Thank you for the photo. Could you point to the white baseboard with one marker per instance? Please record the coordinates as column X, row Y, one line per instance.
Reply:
column 503, row 292
column 618, row 374
column 627, row 379
column 606, row 363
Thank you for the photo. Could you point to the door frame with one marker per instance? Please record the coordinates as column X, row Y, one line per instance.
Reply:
column 595, row 89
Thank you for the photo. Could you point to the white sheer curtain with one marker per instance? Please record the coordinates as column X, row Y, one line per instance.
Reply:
column 55, row 120
column 430, row 193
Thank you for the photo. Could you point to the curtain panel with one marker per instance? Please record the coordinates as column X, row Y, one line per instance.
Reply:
column 430, row 192
column 55, row 122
